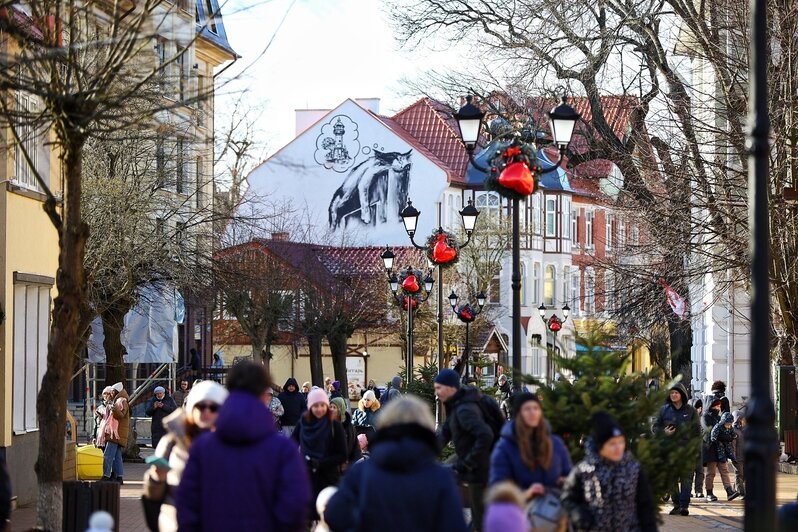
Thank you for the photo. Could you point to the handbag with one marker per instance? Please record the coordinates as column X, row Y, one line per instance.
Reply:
column 152, row 509
column 545, row 513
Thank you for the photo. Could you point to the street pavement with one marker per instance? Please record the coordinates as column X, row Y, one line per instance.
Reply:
column 720, row 515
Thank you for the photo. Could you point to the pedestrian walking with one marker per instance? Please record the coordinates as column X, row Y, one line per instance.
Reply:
column 678, row 416
column 738, row 447
column 107, row 426
column 505, row 393
column 341, row 414
column 244, row 475
column 322, row 442
column 365, row 417
column 401, row 488
column 217, row 367
column 698, row 476
column 306, row 388
column 608, row 490
column 183, row 387
column 335, row 391
column 394, row 390
column 719, row 453
column 183, row 426
column 374, row 388
column 719, row 392
column 527, row 454
column 294, row 404
column 472, row 436
column 275, row 407
column 504, row 509
column 158, row 407
column 119, row 408
column 196, row 364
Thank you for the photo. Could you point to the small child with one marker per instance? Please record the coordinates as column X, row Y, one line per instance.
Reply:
column 739, row 425
column 363, row 441
column 504, row 509
column 723, row 435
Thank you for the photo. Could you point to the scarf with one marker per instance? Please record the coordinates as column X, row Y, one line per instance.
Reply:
column 313, row 436
column 610, row 490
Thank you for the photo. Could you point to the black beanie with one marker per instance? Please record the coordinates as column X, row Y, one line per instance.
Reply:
column 604, row 428
column 520, row 398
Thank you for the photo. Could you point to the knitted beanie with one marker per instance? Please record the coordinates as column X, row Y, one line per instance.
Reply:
column 206, row 391
column 317, row 395
column 341, row 404
column 369, row 396
column 519, row 399
column 604, row 428
column 504, row 517
column 448, row 377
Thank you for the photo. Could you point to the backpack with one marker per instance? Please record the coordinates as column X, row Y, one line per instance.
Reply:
column 492, row 414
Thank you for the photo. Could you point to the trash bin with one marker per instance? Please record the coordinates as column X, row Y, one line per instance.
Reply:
column 81, row 499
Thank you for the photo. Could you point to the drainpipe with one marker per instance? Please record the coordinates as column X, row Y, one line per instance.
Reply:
column 730, row 342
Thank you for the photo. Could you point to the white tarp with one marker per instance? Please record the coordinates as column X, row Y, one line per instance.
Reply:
column 150, row 329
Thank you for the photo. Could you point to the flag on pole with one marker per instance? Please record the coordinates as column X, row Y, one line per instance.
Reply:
column 678, row 303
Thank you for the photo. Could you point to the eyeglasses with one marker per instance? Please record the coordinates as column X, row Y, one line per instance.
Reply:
column 211, row 407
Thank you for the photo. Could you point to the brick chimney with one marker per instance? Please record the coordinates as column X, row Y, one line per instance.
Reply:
column 280, row 236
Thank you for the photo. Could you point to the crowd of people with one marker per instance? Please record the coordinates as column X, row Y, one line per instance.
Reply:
column 246, row 457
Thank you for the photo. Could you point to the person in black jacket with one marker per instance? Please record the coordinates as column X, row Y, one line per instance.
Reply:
column 505, row 392
column 675, row 414
column 609, row 490
column 340, row 413
column 293, row 404
column 719, row 392
column 322, row 443
column 471, row 435
column 159, row 406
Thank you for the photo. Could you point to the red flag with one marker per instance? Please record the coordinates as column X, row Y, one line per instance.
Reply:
column 678, row 303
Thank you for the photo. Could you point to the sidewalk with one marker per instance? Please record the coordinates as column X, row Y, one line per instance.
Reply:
column 720, row 515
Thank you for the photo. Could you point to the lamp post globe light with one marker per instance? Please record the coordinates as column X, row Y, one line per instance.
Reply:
column 562, row 120
column 442, row 250
column 466, row 313
column 410, row 288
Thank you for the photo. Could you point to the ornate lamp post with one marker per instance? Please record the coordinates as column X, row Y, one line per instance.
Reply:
column 466, row 313
column 554, row 325
column 409, row 288
column 512, row 172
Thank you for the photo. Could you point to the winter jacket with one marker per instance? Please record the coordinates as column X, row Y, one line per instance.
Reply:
column 709, row 451
column 684, row 415
column 365, row 419
column 326, row 470
column 244, row 475
column 393, row 392
column 294, row 403
column 739, row 443
column 600, row 495
column 722, row 439
column 159, row 414
column 472, row 437
column 179, row 398
column 121, row 412
column 400, row 489
column 352, row 445
column 506, row 462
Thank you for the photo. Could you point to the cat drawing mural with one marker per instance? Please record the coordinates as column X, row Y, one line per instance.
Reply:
column 381, row 183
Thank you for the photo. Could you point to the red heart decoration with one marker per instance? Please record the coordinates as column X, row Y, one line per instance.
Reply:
column 518, row 178
column 442, row 253
column 410, row 284
column 465, row 314
column 554, row 324
column 414, row 303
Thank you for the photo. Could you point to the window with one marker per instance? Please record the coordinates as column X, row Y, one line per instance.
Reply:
column 536, row 283
column 31, row 325
column 621, row 234
column 200, row 183
column 159, row 228
column 589, row 229
column 210, row 15
column 489, row 203
column 24, row 175
column 160, row 163
column 635, row 236
column 160, row 50
column 609, row 291
column 590, row 291
column 180, row 235
column 575, row 227
column 566, row 218
column 576, row 300
column 566, row 284
column 182, row 72
column 609, row 227
column 537, row 214
column 523, row 283
column 548, row 286
column 551, row 216
column 494, row 290
column 180, row 167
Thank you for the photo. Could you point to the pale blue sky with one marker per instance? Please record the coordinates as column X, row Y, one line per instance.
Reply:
column 325, row 51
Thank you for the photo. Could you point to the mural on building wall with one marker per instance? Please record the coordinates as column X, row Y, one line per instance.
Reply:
column 337, row 144
column 374, row 192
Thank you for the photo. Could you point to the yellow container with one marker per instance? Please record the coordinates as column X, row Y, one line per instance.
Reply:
column 90, row 463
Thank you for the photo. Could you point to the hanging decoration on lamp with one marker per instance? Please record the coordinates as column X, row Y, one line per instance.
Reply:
column 466, row 313
column 442, row 248
column 513, row 170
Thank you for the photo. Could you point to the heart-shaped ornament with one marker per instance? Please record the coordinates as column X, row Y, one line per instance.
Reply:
column 554, row 324
column 414, row 303
column 410, row 284
column 443, row 253
column 518, row 178
column 465, row 314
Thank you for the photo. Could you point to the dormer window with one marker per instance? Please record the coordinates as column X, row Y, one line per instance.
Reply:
column 210, row 14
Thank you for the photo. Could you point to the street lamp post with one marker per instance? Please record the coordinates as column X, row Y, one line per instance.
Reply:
column 553, row 325
column 562, row 120
column 760, row 435
column 466, row 313
column 413, row 293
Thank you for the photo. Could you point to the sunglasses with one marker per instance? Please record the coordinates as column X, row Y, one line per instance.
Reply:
column 211, row 407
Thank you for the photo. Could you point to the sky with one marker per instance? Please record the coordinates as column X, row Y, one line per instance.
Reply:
column 324, row 52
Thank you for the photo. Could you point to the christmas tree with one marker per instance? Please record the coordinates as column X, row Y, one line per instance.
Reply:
column 597, row 379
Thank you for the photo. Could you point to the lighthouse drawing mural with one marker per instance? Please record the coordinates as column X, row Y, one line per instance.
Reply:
column 337, row 145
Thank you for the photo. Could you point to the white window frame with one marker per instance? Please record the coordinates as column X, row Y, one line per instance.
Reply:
column 536, row 283
column 621, row 233
column 566, row 218
column 488, row 203
column 609, row 291
column 590, row 291
column 24, row 176
column 589, row 217
column 537, row 214
column 608, row 232
column 551, row 216
column 31, row 326
column 549, row 285
column 566, row 284
column 576, row 304
column 575, row 227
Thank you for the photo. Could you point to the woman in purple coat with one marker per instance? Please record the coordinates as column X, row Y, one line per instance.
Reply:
column 244, row 475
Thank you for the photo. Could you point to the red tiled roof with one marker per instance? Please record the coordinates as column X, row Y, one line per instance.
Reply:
column 432, row 125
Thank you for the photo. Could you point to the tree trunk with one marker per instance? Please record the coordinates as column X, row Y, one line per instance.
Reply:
column 113, row 322
column 316, row 368
column 338, row 342
column 64, row 338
